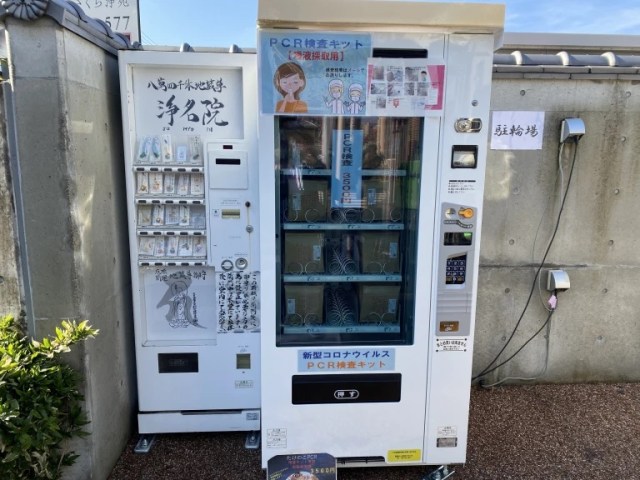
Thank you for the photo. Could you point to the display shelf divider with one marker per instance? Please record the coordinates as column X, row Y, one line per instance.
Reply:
column 288, row 278
column 328, row 329
column 168, row 169
column 171, row 232
column 172, row 263
column 326, row 172
column 343, row 226
column 169, row 201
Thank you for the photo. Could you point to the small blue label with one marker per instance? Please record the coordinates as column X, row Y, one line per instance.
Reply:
column 346, row 178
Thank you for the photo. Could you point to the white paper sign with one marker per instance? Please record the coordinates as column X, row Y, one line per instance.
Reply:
column 517, row 130
column 121, row 15
column 188, row 101
column 238, row 308
column 180, row 303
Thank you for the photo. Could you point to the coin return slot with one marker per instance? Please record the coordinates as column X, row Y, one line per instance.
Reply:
column 231, row 213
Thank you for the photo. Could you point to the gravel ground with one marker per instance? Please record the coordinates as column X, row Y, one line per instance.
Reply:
column 516, row 432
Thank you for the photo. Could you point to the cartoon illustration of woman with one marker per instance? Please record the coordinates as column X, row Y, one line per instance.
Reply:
column 290, row 81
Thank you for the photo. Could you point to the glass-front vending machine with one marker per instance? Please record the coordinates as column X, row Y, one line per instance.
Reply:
column 190, row 142
column 373, row 129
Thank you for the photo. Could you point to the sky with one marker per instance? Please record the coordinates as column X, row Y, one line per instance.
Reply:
column 221, row 23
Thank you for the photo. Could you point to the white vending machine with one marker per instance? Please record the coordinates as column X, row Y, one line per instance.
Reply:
column 190, row 141
column 373, row 139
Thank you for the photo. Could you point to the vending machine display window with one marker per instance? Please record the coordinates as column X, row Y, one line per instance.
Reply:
column 347, row 198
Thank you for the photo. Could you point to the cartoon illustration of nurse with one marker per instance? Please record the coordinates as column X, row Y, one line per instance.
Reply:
column 290, row 81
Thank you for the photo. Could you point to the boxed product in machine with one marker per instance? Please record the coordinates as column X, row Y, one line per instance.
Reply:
column 379, row 303
column 303, row 253
column 382, row 199
column 379, row 252
column 308, row 200
column 304, row 304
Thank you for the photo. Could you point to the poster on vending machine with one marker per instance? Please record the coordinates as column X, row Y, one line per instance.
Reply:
column 307, row 466
column 401, row 87
column 178, row 303
column 315, row 73
column 238, row 307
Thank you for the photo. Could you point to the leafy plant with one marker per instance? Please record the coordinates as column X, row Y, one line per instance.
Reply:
column 40, row 405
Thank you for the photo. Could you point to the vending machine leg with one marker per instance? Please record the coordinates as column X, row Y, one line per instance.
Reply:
column 252, row 442
column 440, row 473
column 144, row 444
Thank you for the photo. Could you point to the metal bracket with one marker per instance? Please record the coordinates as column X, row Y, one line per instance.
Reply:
column 440, row 473
column 252, row 442
column 144, row 444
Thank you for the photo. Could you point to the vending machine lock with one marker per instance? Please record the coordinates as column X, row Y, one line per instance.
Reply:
column 468, row 125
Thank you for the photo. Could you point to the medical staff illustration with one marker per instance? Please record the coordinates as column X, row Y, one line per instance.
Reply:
column 290, row 81
column 355, row 106
column 334, row 103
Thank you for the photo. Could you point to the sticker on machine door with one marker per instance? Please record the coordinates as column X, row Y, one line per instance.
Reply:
column 451, row 344
column 304, row 466
column 346, row 360
column 448, row 431
column 447, row 437
column 410, row 455
column 276, row 438
column 458, row 187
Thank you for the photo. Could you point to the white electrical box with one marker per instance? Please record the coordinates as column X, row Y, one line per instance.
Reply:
column 190, row 128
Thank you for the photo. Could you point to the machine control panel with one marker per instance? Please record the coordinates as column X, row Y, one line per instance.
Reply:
column 455, row 268
column 230, row 207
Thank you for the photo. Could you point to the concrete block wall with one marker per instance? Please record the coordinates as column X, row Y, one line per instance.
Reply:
column 10, row 296
column 75, row 249
column 595, row 332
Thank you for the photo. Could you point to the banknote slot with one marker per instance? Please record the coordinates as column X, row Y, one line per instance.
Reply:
column 231, row 214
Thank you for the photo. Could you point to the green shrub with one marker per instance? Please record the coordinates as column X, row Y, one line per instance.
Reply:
column 40, row 405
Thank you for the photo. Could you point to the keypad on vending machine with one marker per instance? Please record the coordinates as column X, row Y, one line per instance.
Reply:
column 456, row 270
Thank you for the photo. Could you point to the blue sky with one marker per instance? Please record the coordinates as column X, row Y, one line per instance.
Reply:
column 220, row 23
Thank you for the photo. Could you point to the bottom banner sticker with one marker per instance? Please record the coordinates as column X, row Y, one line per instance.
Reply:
column 308, row 466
